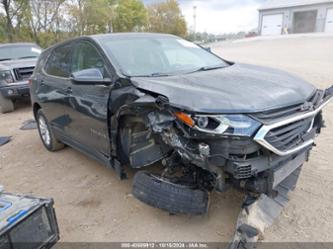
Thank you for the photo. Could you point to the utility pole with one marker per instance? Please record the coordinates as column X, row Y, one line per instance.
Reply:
column 194, row 21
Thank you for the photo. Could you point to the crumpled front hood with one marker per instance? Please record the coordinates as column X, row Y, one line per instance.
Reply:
column 239, row 88
column 11, row 64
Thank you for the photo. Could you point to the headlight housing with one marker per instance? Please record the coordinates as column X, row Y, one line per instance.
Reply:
column 6, row 76
column 228, row 124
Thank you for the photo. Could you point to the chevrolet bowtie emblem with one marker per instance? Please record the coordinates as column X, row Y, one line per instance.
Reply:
column 307, row 106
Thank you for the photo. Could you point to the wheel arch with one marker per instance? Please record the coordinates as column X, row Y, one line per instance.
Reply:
column 133, row 115
column 35, row 108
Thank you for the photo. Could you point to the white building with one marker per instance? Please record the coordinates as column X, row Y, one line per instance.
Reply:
column 295, row 16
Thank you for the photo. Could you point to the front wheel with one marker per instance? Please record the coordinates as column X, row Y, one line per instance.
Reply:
column 174, row 198
column 46, row 134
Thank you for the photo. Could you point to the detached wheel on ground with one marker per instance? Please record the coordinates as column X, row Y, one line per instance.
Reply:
column 46, row 134
column 6, row 105
column 173, row 198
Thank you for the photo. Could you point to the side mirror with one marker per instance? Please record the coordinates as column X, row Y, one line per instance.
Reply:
column 91, row 76
column 209, row 49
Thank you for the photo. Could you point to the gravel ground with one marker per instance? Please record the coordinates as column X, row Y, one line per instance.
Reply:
column 93, row 205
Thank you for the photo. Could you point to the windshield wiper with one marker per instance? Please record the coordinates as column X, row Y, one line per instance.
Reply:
column 159, row 74
column 27, row 57
column 6, row 59
column 153, row 75
column 208, row 68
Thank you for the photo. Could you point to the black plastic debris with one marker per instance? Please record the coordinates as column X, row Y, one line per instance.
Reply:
column 250, row 231
column 259, row 213
column 4, row 140
column 29, row 125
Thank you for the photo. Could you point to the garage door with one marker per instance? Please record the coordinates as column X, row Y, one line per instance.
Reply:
column 272, row 24
column 329, row 21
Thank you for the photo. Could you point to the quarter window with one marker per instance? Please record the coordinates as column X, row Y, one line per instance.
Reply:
column 59, row 61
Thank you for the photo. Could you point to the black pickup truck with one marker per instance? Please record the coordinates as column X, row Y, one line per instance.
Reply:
column 17, row 62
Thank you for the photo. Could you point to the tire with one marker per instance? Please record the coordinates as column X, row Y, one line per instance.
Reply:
column 6, row 105
column 173, row 198
column 46, row 134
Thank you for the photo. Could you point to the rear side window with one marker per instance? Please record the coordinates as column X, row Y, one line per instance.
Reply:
column 59, row 61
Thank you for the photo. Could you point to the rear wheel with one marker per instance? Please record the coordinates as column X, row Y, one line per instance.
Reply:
column 6, row 105
column 46, row 134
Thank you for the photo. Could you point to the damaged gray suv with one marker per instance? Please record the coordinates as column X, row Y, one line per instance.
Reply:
column 133, row 100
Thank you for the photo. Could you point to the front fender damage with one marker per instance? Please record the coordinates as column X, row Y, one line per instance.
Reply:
column 190, row 153
column 153, row 133
column 258, row 212
column 137, row 144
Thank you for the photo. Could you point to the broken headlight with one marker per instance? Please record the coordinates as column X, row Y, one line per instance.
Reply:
column 229, row 124
column 6, row 76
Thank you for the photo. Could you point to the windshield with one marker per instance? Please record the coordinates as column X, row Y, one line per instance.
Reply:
column 159, row 56
column 12, row 52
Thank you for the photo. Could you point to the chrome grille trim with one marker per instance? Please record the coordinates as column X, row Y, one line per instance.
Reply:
column 260, row 136
column 23, row 73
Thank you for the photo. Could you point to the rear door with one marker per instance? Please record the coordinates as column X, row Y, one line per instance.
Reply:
column 329, row 21
column 272, row 24
column 88, row 104
column 53, row 83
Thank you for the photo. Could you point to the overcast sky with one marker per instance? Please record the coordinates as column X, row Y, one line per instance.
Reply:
column 221, row 16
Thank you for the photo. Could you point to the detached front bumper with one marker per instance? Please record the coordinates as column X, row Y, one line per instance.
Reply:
column 269, row 180
column 15, row 90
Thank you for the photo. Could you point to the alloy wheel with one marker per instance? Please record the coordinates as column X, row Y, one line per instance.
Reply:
column 44, row 130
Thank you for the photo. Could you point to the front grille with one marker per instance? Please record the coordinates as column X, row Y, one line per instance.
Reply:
column 289, row 136
column 291, row 129
column 23, row 73
column 243, row 171
column 274, row 115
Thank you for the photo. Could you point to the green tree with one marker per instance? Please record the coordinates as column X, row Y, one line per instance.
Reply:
column 3, row 36
column 166, row 17
column 90, row 16
column 49, row 21
column 98, row 16
column 130, row 15
column 45, row 20
column 12, row 14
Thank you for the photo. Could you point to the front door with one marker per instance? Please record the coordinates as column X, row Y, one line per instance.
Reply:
column 88, row 104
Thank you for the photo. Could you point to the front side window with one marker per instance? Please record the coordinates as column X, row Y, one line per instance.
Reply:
column 59, row 61
column 148, row 56
column 86, row 56
column 13, row 52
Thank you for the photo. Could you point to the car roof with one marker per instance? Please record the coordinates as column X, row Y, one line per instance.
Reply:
column 98, row 37
column 130, row 35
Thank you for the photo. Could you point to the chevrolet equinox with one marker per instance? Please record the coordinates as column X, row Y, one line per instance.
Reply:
column 131, row 100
